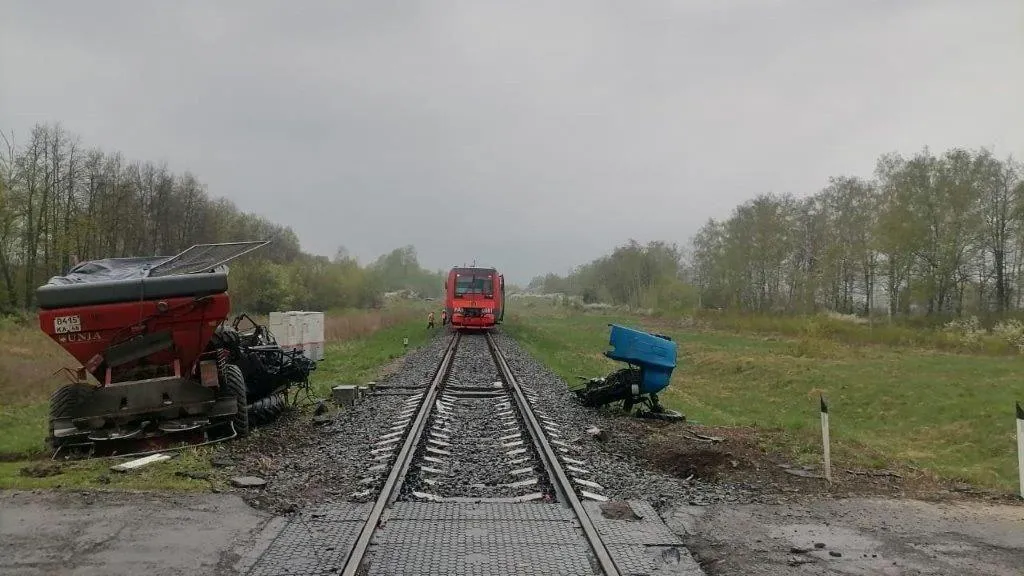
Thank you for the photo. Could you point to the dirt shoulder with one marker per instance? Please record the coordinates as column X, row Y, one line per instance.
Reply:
column 891, row 522
column 881, row 536
column 735, row 456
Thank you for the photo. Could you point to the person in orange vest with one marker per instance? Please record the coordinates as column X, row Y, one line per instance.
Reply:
column 430, row 320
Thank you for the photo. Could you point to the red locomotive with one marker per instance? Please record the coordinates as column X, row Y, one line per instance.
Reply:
column 474, row 297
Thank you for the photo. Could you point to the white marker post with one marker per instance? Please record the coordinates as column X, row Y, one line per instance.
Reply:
column 825, row 439
column 405, row 342
column 1020, row 446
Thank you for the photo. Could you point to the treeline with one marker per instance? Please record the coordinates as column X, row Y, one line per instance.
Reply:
column 400, row 270
column 318, row 283
column 634, row 275
column 934, row 236
column 926, row 235
column 62, row 202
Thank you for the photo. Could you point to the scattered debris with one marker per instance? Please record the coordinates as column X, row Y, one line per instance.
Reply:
column 798, row 560
column 598, row 434
column 802, row 473
column 248, row 482
column 876, row 473
column 322, row 419
column 799, row 550
column 222, row 462
column 619, row 510
column 834, row 554
column 819, row 545
column 193, row 474
column 703, row 438
column 671, row 556
column 140, row 462
column 41, row 470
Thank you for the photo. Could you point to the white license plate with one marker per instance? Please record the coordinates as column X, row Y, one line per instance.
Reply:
column 67, row 324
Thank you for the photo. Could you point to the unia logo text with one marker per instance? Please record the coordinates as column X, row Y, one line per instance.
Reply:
column 80, row 337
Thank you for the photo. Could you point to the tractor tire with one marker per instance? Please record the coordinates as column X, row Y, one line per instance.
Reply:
column 266, row 410
column 234, row 386
column 62, row 405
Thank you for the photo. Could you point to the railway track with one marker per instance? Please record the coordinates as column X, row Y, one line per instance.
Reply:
column 470, row 478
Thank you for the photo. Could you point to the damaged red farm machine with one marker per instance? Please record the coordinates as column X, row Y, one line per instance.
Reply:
column 167, row 370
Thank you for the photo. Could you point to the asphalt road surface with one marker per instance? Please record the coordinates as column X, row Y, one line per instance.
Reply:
column 856, row 536
column 93, row 533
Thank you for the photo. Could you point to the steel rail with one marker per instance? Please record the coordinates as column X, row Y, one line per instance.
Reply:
column 404, row 459
column 552, row 464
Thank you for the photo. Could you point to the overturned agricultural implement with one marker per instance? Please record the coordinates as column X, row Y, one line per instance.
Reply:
column 167, row 370
column 651, row 358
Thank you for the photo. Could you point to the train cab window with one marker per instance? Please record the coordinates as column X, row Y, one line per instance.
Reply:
column 474, row 285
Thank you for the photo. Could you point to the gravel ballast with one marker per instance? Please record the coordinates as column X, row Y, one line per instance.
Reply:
column 305, row 462
column 481, row 449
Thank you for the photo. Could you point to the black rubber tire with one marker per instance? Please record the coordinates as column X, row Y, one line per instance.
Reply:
column 62, row 404
column 234, row 386
column 266, row 410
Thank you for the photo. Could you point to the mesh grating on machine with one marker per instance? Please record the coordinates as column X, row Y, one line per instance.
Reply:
column 203, row 258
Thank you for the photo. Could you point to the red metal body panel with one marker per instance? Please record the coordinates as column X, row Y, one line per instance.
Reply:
column 477, row 303
column 87, row 332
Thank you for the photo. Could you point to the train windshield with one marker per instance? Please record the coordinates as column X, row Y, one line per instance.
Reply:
column 474, row 285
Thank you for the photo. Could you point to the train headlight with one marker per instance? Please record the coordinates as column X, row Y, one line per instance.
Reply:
column 487, row 310
column 459, row 310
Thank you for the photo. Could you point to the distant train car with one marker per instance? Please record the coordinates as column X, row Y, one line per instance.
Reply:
column 475, row 297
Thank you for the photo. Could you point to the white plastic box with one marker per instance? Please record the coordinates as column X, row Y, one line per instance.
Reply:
column 300, row 330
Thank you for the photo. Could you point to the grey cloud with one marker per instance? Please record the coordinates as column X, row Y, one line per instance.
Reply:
column 531, row 135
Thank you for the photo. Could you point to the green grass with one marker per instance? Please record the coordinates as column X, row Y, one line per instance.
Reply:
column 22, row 430
column 97, row 474
column 360, row 344
column 358, row 361
column 904, row 333
column 946, row 413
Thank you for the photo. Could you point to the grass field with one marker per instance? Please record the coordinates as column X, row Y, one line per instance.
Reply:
column 949, row 414
column 359, row 344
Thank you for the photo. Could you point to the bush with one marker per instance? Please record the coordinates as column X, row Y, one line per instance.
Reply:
column 1011, row 331
column 17, row 320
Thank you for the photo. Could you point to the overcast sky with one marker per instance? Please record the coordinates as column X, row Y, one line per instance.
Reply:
column 528, row 135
